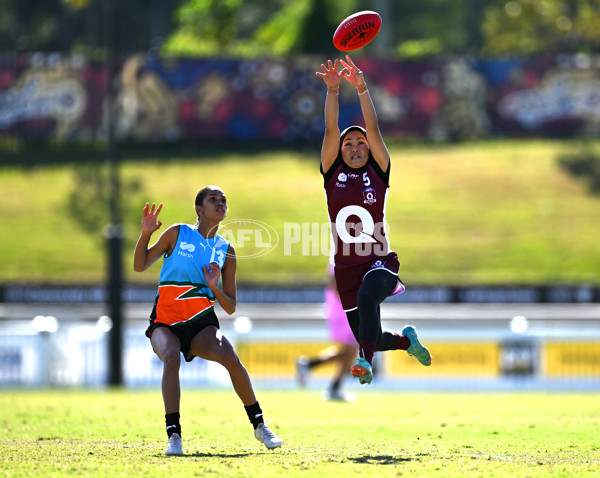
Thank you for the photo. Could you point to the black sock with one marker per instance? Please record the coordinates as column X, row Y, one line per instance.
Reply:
column 173, row 426
column 255, row 414
column 335, row 385
column 315, row 362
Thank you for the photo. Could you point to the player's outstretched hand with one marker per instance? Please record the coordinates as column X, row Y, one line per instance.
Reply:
column 150, row 221
column 352, row 73
column 331, row 76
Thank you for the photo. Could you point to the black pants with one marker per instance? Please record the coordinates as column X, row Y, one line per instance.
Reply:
column 365, row 321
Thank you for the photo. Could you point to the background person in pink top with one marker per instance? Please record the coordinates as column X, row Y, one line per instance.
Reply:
column 342, row 351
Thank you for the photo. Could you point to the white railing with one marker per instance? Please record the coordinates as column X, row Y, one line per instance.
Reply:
column 473, row 346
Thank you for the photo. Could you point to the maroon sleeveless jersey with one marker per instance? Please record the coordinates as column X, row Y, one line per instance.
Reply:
column 356, row 200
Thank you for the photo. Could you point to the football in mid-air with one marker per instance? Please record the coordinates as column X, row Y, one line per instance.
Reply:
column 357, row 30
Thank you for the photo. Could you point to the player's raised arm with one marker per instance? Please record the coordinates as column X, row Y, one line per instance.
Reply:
column 144, row 256
column 331, row 140
column 355, row 77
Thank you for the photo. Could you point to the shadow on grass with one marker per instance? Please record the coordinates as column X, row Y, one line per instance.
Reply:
column 206, row 455
column 378, row 460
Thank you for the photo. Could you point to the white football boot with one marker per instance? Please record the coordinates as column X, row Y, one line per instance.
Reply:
column 265, row 435
column 175, row 447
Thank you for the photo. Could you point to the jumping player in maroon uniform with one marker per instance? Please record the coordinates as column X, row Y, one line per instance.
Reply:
column 356, row 169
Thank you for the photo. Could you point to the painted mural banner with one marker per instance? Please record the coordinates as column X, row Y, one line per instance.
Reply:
column 61, row 98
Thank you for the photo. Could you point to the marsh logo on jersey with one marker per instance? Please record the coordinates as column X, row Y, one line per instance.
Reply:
column 187, row 247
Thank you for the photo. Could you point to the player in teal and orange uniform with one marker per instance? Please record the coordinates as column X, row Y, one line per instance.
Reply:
column 196, row 260
column 356, row 168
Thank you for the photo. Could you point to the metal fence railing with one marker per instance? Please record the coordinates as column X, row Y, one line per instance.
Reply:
column 472, row 346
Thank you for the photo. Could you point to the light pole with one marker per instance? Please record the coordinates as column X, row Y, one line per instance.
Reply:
column 114, row 231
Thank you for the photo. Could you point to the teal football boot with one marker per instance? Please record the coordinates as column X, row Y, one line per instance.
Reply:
column 416, row 349
column 362, row 370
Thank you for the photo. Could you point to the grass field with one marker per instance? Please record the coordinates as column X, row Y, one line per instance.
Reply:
column 120, row 433
column 480, row 213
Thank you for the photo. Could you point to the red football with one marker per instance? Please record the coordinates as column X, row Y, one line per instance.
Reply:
column 357, row 30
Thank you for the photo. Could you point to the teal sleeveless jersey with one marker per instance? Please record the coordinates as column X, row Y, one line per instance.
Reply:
column 183, row 295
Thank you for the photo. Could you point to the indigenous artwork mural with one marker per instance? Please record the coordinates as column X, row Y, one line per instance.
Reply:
column 62, row 98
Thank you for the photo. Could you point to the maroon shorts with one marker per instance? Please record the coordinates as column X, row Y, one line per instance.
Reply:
column 349, row 279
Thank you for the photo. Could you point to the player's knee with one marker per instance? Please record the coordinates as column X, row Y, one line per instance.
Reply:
column 171, row 357
column 229, row 358
column 365, row 299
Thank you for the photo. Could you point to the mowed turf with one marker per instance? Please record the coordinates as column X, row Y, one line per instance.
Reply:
column 121, row 433
column 483, row 213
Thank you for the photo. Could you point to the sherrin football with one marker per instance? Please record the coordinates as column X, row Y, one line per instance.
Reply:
column 357, row 30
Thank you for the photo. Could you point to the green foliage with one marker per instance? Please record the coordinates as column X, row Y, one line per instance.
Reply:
column 237, row 28
column 432, row 27
column 206, row 26
column 88, row 198
column 584, row 164
column 316, row 31
column 75, row 4
column 541, row 26
column 250, row 28
column 254, row 28
column 118, row 433
column 27, row 24
column 279, row 35
column 419, row 48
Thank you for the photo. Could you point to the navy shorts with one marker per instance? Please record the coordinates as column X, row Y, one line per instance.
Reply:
column 186, row 331
column 349, row 279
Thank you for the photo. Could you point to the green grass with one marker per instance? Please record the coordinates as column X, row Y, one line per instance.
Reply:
column 120, row 433
column 492, row 213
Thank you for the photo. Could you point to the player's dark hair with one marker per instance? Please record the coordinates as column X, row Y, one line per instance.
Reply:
column 201, row 195
column 352, row 128
column 204, row 192
column 343, row 135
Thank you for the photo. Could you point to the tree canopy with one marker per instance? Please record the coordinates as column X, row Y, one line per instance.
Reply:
column 250, row 28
